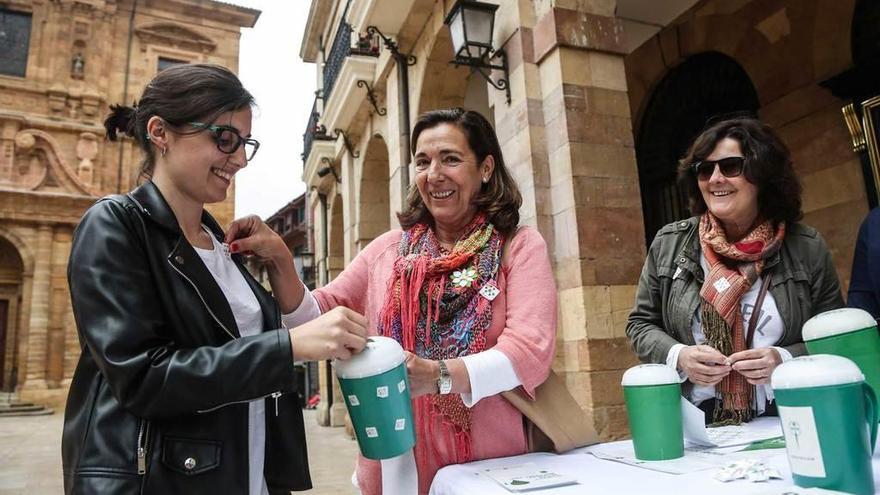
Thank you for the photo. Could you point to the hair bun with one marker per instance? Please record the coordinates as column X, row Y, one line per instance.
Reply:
column 121, row 119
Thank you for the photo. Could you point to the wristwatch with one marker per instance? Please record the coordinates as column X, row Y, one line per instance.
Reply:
column 444, row 383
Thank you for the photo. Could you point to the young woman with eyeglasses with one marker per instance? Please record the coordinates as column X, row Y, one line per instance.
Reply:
column 744, row 248
column 185, row 382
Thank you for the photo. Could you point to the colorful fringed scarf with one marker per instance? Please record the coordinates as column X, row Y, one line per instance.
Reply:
column 434, row 309
column 733, row 268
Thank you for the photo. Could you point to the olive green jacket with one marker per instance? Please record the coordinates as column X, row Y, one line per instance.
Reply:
column 803, row 282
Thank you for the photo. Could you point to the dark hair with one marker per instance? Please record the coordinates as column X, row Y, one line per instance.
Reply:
column 179, row 94
column 500, row 198
column 767, row 165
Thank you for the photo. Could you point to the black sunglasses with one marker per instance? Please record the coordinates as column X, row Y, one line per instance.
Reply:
column 731, row 166
column 229, row 140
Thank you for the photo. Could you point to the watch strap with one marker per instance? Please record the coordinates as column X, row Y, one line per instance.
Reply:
column 444, row 383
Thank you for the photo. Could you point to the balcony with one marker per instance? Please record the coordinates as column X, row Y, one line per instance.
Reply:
column 387, row 16
column 351, row 59
column 344, row 46
column 314, row 130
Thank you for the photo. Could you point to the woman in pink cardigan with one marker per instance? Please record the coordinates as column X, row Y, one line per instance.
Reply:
column 469, row 296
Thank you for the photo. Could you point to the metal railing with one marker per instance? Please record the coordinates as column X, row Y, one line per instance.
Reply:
column 314, row 130
column 342, row 47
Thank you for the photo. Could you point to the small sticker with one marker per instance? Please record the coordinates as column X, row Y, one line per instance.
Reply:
column 381, row 392
column 721, row 285
column 802, row 441
column 400, row 424
column 372, row 432
column 353, row 400
column 490, row 291
column 401, row 386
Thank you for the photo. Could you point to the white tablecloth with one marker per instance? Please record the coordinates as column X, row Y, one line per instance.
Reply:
column 599, row 476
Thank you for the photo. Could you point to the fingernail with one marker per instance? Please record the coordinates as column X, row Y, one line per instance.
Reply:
column 233, row 247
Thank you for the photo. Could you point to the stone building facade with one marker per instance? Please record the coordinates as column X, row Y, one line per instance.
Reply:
column 62, row 62
column 605, row 96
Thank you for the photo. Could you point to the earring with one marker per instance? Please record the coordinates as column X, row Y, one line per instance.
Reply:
column 485, row 180
column 164, row 149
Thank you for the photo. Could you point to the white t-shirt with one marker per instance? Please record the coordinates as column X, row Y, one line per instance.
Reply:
column 249, row 320
column 768, row 331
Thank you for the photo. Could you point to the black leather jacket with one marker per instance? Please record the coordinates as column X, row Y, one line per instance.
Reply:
column 158, row 402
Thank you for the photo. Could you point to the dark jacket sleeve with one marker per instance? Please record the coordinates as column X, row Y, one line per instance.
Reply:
column 824, row 285
column 825, row 293
column 121, row 325
column 862, row 293
column 644, row 327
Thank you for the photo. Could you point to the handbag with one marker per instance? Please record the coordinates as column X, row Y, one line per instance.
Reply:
column 554, row 422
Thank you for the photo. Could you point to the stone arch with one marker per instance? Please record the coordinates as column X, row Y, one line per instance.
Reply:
column 374, row 204
column 37, row 152
column 24, row 252
column 864, row 36
column 443, row 85
column 703, row 86
column 12, row 282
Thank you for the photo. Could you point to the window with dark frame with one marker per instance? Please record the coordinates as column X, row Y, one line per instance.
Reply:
column 165, row 62
column 15, row 35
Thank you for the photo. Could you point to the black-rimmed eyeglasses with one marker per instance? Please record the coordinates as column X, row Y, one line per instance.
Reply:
column 229, row 140
column 731, row 166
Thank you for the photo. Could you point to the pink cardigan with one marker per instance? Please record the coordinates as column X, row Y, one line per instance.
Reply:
column 523, row 328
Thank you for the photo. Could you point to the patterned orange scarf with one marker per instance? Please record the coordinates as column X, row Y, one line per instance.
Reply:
column 733, row 268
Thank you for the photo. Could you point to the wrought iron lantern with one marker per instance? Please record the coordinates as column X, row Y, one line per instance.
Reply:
column 471, row 25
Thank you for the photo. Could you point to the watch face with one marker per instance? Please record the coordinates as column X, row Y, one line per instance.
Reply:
column 445, row 384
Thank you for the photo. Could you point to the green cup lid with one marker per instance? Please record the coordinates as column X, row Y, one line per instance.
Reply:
column 837, row 322
column 817, row 370
column 380, row 355
column 649, row 374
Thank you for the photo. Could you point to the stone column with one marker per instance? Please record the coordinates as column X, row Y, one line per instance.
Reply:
column 598, row 247
column 346, row 187
column 35, row 365
column 398, row 156
column 323, row 409
column 58, row 306
column 8, row 130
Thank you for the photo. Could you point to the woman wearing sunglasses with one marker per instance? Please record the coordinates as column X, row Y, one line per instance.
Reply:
column 744, row 248
column 185, row 380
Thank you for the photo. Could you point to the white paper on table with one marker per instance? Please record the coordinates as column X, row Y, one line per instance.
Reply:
column 795, row 490
column 693, row 460
column 695, row 431
column 528, row 476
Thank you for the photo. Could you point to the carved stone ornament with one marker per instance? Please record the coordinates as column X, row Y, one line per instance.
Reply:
column 57, row 94
column 38, row 166
column 77, row 67
column 86, row 152
column 175, row 36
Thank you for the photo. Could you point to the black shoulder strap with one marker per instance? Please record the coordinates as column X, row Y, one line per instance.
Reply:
column 756, row 311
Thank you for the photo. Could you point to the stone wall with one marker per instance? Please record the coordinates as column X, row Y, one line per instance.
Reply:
column 567, row 134
column 787, row 48
column 54, row 160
